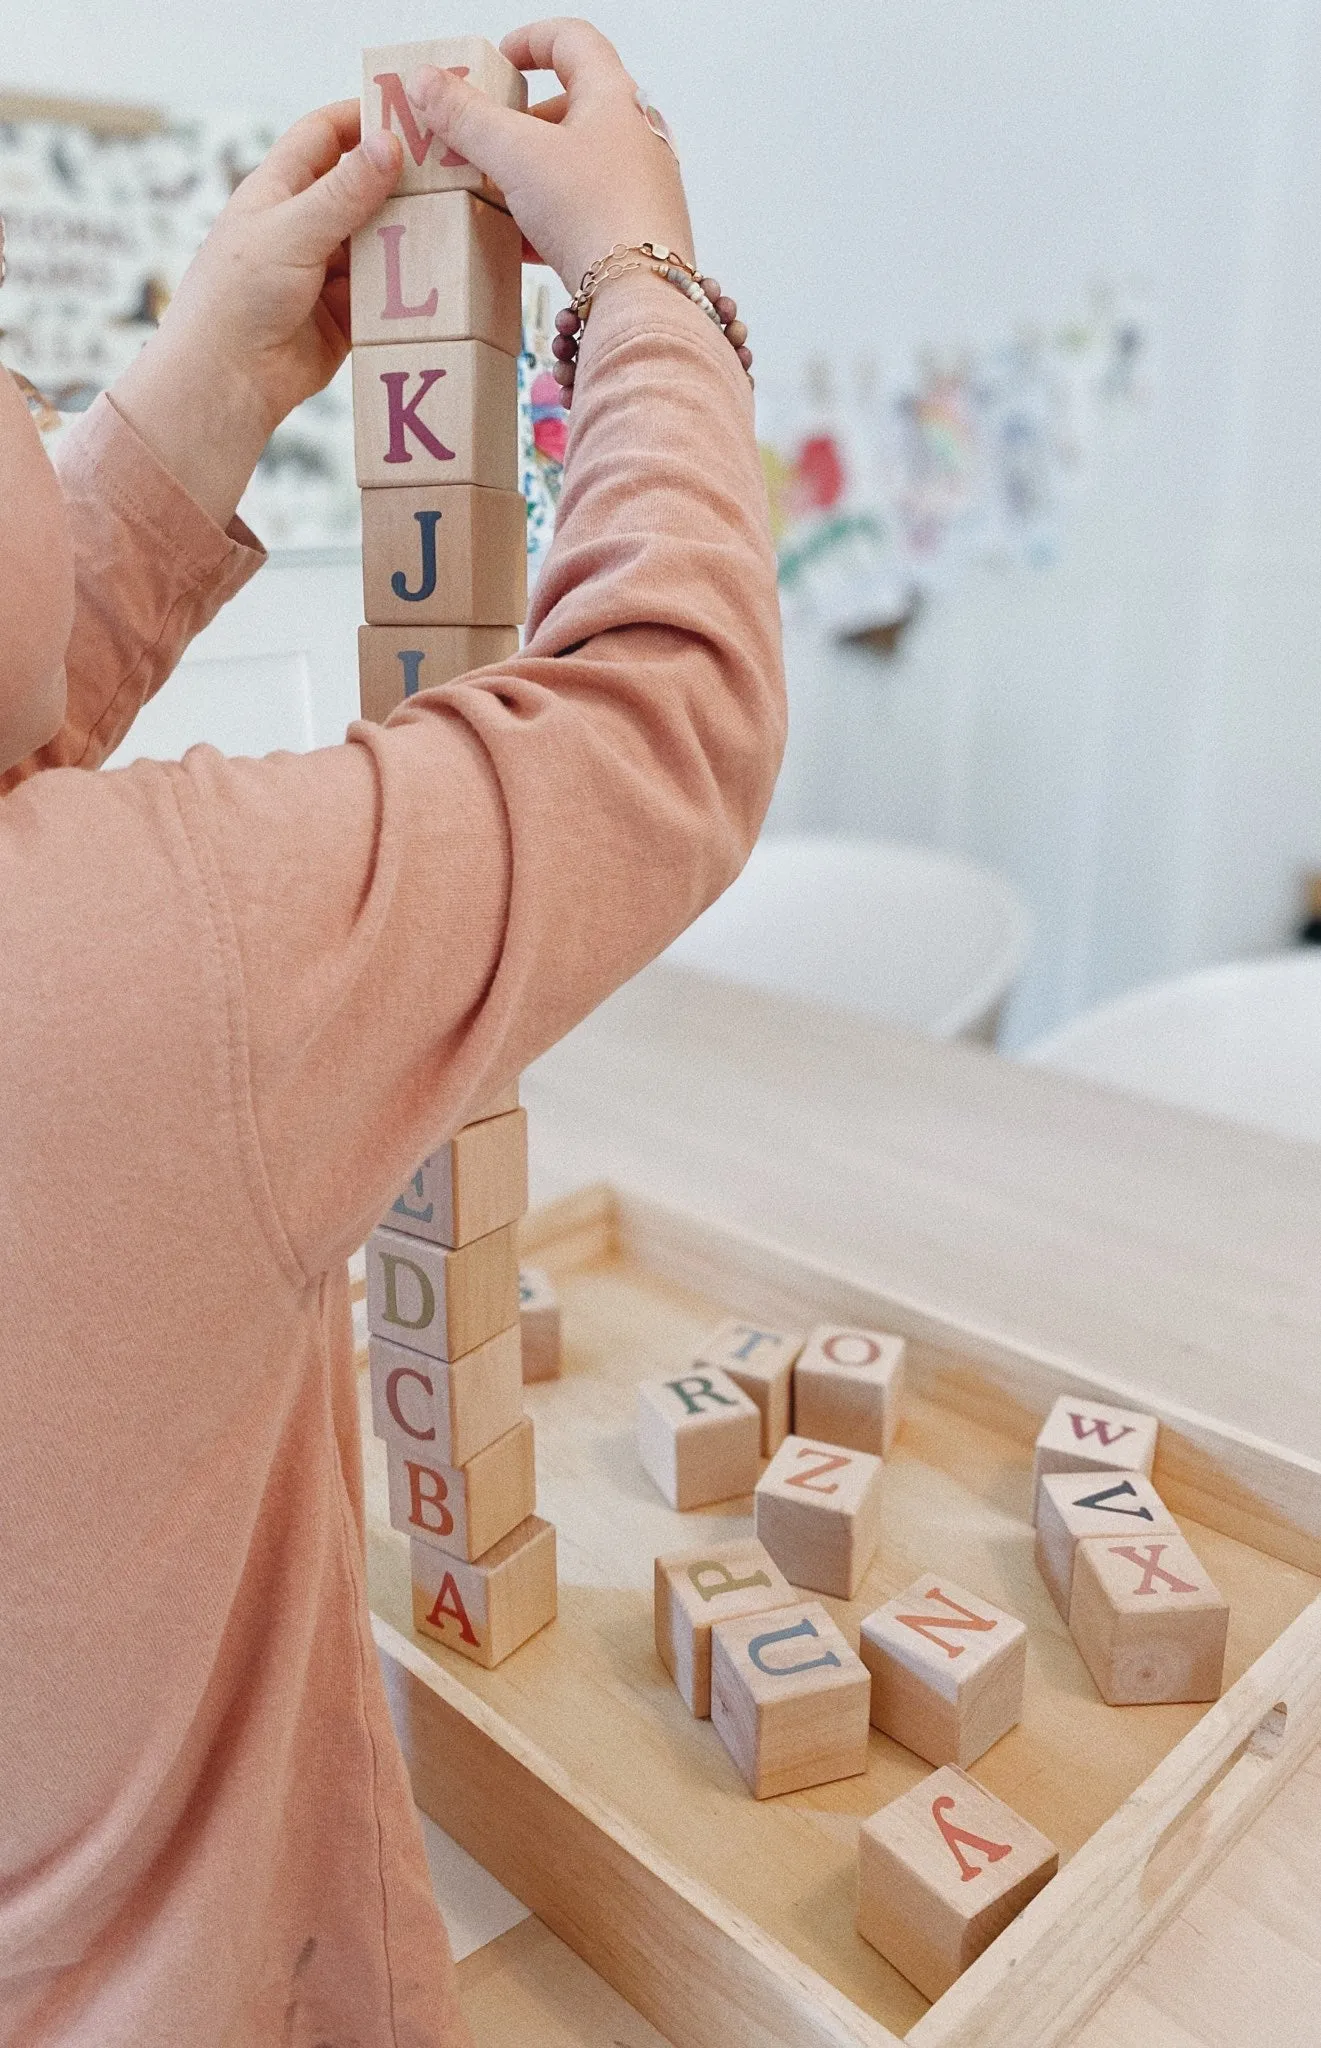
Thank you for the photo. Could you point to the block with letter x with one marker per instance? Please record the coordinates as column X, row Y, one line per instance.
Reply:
column 1074, row 1505
column 947, row 1670
column 818, row 1511
column 943, row 1870
column 1148, row 1620
column 1092, row 1436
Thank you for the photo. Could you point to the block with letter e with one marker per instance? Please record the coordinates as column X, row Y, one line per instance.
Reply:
column 698, row 1437
column 437, row 1301
column 464, row 1509
column 488, row 1609
column 1073, row 1505
column 442, row 266
column 435, row 412
column 947, row 1670
column 1092, row 1436
column 450, row 555
column 941, row 1871
column 429, row 164
column 789, row 1699
column 760, row 1360
column 697, row 1588
column 446, row 1411
column 466, row 1189
column 396, row 662
column 1148, row 1621
column 818, row 1511
column 848, row 1386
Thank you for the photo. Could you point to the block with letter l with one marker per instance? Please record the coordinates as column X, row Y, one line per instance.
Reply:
column 441, row 1302
column 448, row 555
column 489, row 1609
column 464, row 1509
column 442, row 266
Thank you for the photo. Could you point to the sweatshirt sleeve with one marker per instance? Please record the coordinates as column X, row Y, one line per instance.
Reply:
column 413, row 916
column 151, row 569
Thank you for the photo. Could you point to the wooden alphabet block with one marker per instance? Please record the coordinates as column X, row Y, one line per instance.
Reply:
column 818, row 1511
column 941, row 1871
column 760, row 1360
column 1071, row 1505
column 470, row 1187
column 395, row 662
column 1148, row 1622
column 435, row 412
column 1089, row 1436
column 453, row 555
column 539, row 1316
column 788, row 1699
column 441, row 266
column 947, row 1670
column 848, row 1386
column 488, row 1609
column 464, row 1509
column 700, row 1587
column 449, row 1412
column 441, row 1302
column 429, row 166
column 697, row 1438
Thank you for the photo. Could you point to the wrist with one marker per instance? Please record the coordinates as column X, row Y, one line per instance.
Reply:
column 202, row 418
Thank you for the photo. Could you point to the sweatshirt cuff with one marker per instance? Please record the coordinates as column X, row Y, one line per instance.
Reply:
column 639, row 304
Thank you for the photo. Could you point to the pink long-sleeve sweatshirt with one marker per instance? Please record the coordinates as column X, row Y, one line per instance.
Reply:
column 238, row 1001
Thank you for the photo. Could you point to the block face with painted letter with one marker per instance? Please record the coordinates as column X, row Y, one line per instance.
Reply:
column 848, row 1388
column 442, row 266
column 464, row 1509
column 429, row 165
column 818, row 1511
column 452, row 555
column 947, row 1670
column 1072, row 1505
column 445, row 1411
column 789, row 1699
column 473, row 1185
column 698, row 1437
column 396, row 662
column 489, row 1609
column 1149, row 1623
column 760, row 1360
column 443, row 1303
column 1092, row 1436
column 435, row 412
column 695, row 1589
column 941, row 1871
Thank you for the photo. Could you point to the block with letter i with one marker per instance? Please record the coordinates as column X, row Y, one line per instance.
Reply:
column 818, row 1511
column 396, row 662
column 1093, row 1436
column 1148, row 1621
column 697, row 1588
column 943, row 1870
column 488, row 1609
column 947, row 1670
column 789, row 1699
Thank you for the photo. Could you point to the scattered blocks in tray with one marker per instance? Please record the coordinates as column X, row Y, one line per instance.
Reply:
column 395, row 662
column 464, row 1509
column 848, row 1387
column 429, row 164
column 760, row 1360
column 539, row 1321
column 1090, row 1436
column 818, row 1511
column 488, row 1609
column 698, row 1438
column 789, row 1699
column 449, row 1412
column 943, row 1870
column 698, row 1588
column 470, row 1187
column 1149, row 1623
column 1073, row 1505
column 441, row 1302
column 947, row 1670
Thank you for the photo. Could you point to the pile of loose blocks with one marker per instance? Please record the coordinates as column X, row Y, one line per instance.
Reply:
column 944, row 1868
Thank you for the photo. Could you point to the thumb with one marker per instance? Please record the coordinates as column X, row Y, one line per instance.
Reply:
column 491, row 137
column 316, row 221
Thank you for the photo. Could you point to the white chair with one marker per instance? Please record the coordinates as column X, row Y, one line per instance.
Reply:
column 918, row 938
column 1242, row 1042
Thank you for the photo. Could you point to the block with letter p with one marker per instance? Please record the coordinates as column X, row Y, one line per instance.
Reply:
column 848, row 1386
column 464, row 1509
column 698, row 1436
column 466, row 1189
column 947, row 1670
column 486, row 1610
column 789, row 1699
column 696, row 1589
column 446, row 1411
column 1092, row 1436
column 1148, row 1620
column 818, row 1511
column 429, row 164
column 435, row 412
column 449, row 555
column 396, row 662
column 441, row 1302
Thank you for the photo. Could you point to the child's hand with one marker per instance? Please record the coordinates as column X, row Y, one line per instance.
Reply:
column 261, row 320
column 589, row 172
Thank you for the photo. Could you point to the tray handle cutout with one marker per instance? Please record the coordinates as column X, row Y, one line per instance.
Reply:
column 1211, row 1810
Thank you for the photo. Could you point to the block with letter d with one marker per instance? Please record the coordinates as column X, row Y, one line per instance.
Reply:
column 473, row 1185
column 488, row 1609
column 947, row 1670
column 435, row 412
column 698, row 1437
column 698, row 1588
column 789, row 1699
column 818, row 1511
column 450, row 555
column 446, row 1411
column 441, row 1302
column 429, row 164
column 396, row 662
column 443, row 266
column 464, row 1509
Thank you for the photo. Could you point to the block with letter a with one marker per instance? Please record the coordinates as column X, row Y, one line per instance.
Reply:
column 439, row 267
column 698, row 1436
column 429, row 166
column 698, row 1588
column 788, row 1699
column 1149, row 1623
column 453, row 555
column 473, row 1185
column 464, row 1509
column 396, row 662
column 760, row 1360
column 440, row 1302
column 947, row 1670
column 446, row 1412
column 539, row 1321
column 848, row 1386
column 818, row 1511
column 1092, row 1436
column 941, row 1871
column 1072, row 1505
column 488, row 1609
column 435, row 412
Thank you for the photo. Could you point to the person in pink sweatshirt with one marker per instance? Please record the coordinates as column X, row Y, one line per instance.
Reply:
column 239, row 999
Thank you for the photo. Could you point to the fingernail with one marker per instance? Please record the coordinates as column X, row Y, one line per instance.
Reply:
column 379, row 148
column 422, row 83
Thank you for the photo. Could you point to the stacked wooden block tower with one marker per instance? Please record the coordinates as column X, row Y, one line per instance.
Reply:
column 436, row 282
column 937, row 1668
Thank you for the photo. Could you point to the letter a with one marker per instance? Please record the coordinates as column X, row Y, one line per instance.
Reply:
column 427, row 524
column 390, row 1264
column 394, row 307
column 449, row 1605
column 786, row 1635
column 992, row 1851
column 405, row 419
column 1148, row 1564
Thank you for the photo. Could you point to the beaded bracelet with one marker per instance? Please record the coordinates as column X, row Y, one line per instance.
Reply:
column 667, row 263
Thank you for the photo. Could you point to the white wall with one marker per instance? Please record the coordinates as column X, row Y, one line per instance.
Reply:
column 1134, row 737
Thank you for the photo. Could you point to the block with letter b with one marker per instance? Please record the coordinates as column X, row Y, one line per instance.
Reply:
column 700, row 1587
column 539, row 1321
column 452, row 555
column 1148, row 1621
column 435, row 412
column 441, row 1302
column 698, row 1436
column 449, row 1412
column 848, row 1386
column 1092, row 1436
column 947, row 1670
column 443, row 266
column 941, row 1871
column 429, row 164
column 396, row 662
column 464, row 1509
column 1072, row 1505
column 760, row 1360
column 473, row 1185
column 488, row 1609
column 818, row 1511
column 789, row 1699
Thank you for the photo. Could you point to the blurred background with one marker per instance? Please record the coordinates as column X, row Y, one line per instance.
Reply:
column 1033, row 290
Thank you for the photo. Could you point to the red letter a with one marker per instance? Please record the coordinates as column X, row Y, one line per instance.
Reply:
column 449, row 1603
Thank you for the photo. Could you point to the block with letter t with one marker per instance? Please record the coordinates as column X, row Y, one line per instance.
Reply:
column 429, row 165
column 947, row 1670
column 697, row 1437
column 487, row 1609
column 1093, row 1436
column 760, row 1360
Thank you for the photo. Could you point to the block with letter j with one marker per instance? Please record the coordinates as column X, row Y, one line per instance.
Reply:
column 448, row 555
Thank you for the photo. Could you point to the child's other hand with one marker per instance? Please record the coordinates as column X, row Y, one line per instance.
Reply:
column 588, row 171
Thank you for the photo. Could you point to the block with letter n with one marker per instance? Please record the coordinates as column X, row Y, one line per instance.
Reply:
column 947, row 1670
column 789, row 1699
column 698, row 1436
column 1093, row 1436
column 818, row 1511
column 487, row 1609
column 697, row 1588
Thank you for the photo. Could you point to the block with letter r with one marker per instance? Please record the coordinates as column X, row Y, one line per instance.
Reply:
column 698, row 1437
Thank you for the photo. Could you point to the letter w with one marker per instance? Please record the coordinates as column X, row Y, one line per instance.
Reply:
column 927, row 1624
column 1106, row 1433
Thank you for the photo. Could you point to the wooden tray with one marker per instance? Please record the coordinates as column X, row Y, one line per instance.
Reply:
column 576, row 1775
